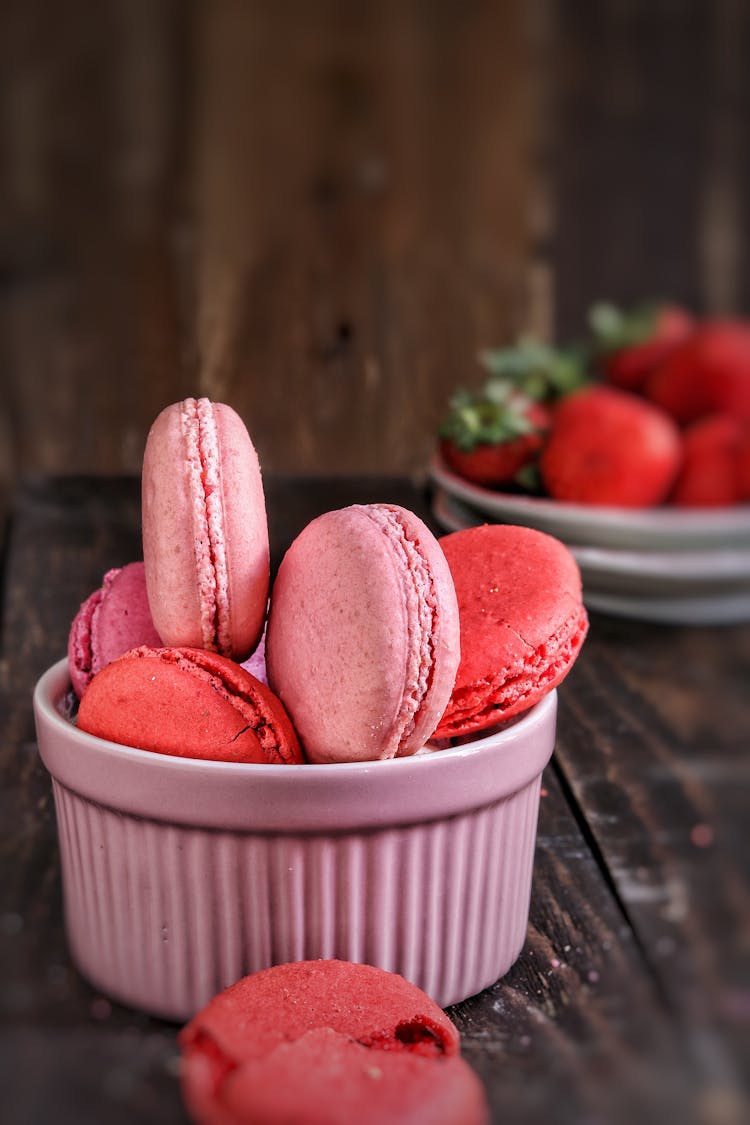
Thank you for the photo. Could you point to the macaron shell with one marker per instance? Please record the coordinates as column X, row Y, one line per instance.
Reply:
column 113, row 619
column 444, row 640
column 271, row 1007
column 176, row 585
column 340, row 646
column 522, row 622
column 323, row 1043
column 337, row 639
column 245, row 532
column 325, row 1078
column 188, row 703
column 168, row 541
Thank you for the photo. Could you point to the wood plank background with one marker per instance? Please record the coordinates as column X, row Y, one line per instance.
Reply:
column 318, row 211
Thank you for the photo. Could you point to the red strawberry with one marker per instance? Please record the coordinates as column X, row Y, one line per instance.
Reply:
column 711, row 471
column 743, row 465
column 609, row 447
column 630, row 345
column 708, row 374
column 488, row 442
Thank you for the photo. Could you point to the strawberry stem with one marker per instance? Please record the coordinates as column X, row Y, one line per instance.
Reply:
column 476, row 419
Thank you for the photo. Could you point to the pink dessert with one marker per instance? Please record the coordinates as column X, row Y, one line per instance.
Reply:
column 522, row 622
column 205, row 534
column 363, row 634
column 189, row 703
column 113, row 619
column 327, row 1043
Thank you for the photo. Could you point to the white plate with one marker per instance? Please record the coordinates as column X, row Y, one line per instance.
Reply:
column 730, row 609
column 679, row 587
column 585, row 524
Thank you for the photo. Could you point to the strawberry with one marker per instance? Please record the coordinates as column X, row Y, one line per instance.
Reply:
column 743, row 465
column 629, row 345
column 490, row 435
column 708, row 374
column 608, row 446
column 711, row 473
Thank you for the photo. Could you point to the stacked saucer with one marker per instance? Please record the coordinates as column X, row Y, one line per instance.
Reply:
column 673, row 565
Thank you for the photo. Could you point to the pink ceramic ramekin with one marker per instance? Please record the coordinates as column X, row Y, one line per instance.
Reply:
column 181, row 876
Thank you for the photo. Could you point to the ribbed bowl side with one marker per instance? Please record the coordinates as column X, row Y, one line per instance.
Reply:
column 162, row 917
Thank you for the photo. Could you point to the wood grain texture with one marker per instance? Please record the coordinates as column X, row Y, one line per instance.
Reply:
column 319, row 211
column 653, row 742
column 316, row 212
column 599, row 1020
column 649, row 154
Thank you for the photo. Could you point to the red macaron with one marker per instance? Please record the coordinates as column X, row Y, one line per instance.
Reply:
column 327, row 1043
column 188, row 703
column 522, row 622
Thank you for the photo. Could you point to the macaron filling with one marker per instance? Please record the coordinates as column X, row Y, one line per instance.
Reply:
column 420, row 602
column 203, row 467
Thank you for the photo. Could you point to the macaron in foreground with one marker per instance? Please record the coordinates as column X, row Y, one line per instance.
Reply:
column 327, row 1043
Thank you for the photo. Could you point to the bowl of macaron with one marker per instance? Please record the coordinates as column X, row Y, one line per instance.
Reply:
column 342, row 763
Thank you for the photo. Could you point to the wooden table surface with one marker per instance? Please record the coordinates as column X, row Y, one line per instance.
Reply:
column 631, row 998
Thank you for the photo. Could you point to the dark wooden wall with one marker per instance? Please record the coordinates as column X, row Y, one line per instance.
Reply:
column 318, row 210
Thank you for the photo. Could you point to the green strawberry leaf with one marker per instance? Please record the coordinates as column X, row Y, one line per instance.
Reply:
column 478, row 419
column 537, row 370
column 614, row 329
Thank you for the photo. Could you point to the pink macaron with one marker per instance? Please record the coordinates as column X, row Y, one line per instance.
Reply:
column 205, row 533
column 363, row 634
column 113, row 619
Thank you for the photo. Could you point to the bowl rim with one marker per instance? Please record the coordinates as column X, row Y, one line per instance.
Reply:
column 295, row 797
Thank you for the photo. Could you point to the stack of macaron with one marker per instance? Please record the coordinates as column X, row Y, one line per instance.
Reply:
column 374, row 639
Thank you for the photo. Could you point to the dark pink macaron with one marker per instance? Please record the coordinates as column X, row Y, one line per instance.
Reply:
column 522, row 622
column 363, row 634
column 189, row 703
column 113, row 619
column 327, row 1043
